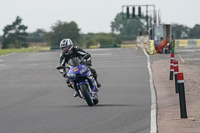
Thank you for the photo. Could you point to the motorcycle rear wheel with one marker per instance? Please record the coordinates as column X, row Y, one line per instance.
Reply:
column 86, row 94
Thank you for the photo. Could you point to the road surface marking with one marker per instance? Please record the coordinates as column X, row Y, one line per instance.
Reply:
column 100, row 54
column 188, row 50
column 183, row 61
column 1, row 65
column 153, row 97
column 8, row 54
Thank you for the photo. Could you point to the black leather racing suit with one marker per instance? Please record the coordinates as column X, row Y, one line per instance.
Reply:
column 77, row 52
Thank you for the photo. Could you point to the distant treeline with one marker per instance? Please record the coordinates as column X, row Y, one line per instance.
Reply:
column 185, row 32
column 15, row 35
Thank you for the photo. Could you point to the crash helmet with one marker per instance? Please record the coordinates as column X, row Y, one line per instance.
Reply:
column 66, row 45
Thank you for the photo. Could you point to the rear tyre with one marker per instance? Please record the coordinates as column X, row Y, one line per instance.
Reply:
column 86, row 94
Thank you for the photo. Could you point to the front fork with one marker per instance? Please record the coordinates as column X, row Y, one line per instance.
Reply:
column 91, row 92
column 92, row 82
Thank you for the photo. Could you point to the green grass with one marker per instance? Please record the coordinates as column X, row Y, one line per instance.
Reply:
column 23, row 50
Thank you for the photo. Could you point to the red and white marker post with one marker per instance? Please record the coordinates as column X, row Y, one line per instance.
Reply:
column 171, row 67
column 176, row 70
column 181, row 88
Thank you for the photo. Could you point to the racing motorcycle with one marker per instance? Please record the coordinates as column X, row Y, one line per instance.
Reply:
column 82, row 80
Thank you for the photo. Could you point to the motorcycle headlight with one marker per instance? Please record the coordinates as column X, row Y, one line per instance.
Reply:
column 83, row 70
column 71, row 75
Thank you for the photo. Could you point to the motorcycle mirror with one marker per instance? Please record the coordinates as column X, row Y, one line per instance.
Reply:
column 60, row 67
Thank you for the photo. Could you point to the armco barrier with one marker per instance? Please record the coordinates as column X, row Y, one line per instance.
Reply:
column 188, row 43
column 111, row 46
column 198, row 42
column 128, row 45
column 55, row 47
column 94, row 47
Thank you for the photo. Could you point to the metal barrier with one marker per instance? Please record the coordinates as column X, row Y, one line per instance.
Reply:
column 55, row 47
column 188, row 43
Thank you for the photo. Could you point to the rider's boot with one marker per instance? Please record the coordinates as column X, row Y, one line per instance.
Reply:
column 95, row 77
column 75, row 94
column 98, row 84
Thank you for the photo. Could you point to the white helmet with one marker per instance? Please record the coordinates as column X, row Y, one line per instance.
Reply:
column 67, row 44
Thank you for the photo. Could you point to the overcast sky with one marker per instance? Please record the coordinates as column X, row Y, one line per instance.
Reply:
column 91, row 15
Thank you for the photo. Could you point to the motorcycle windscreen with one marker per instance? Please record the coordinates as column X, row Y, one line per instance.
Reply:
column 74, row 62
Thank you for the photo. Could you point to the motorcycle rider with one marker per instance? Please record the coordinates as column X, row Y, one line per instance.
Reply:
column 69, row 51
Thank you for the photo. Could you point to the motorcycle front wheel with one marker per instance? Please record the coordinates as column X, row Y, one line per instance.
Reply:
column 96, row 100
column 86, row 94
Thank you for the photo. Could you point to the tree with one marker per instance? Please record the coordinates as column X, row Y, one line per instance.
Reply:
column 1, row 38
column 63, row 30
column 37, row 36
column 126, row 28
column 105, row 39
column 15, row 35
column 88, row 39
column 195, row 32
column 181, row 31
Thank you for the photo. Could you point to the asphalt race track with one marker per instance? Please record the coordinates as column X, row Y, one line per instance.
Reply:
column 34, row 97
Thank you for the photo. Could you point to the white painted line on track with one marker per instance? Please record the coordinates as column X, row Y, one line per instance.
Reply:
column 188, row 50
column 8, row 54
column 101, row 54
column 183, row 61
column 103, row 49
column 1, row 65
column 97, row 49
column 153, row 97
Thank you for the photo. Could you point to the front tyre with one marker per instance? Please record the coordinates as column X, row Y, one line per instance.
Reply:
column 96, row 100
column 86, row 94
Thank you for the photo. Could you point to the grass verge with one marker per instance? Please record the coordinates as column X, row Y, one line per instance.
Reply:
column 23, row 50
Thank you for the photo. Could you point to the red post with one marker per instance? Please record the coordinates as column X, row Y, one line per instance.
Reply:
column 171, row 66
column 176, row 70
column 182, row 100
